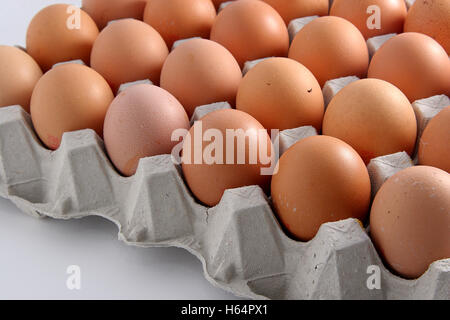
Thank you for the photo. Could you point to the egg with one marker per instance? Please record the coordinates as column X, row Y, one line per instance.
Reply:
column 293, row 9
column 251, row 29
column 180, row 19
column 431, row 17
column 281, row 94
column 69, row 97
column 103, row 11
column 129, row 50
column 320, row 179
column 55, row 35
column 410, row 220
column 331, row 47
column 415, row 63
column 374, row 117
column 19, row 73
column 434, row 147
column 140, row 123
column 211, row 173
column 200, row 72
column 372, row 17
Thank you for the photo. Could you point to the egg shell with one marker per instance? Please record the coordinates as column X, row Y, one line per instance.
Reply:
column 431, row 17
column 331, row 47
column 251, row 29
column 415, row 63
column 410, row 220
column 53, row 35
column 374, row 117
column 208, row 182
column 281, row 94
column 69, row 97
column 129, row 50
column 320, row 179
column 104, row 11
column 200, row 72
column 293, row 9
column 180, row 19
column 140, row 123
column 434, row 146
column 19, row 73
column 392, row 14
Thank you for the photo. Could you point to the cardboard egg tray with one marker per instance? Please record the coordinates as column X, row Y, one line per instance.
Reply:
column 240, row 242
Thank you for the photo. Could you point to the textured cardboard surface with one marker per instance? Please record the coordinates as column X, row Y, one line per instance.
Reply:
column 240, row 242
column 375, row 43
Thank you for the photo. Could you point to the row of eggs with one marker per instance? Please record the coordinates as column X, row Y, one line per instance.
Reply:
column 320, row 179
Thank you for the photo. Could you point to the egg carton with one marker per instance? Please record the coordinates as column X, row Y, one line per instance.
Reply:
column 240, row 243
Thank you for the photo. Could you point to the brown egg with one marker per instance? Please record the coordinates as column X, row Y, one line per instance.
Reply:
column 180, row 19
column 387, row 17
column 19, row 73
column 431, row 17
column 251, row 29
column 414, row 63
column 129, row 50
column 374, row 117
column 281, row 94
column 140, row 123
column 53, row 36
column 210, row 174
column 69, row 97
column 320, row 179
column 103, row 11
column 293, row 9
column 331, row 47
column 434, row 147
column 200, row 72
column 410, row 220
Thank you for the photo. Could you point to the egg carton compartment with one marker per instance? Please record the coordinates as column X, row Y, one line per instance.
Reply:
column 240, row 243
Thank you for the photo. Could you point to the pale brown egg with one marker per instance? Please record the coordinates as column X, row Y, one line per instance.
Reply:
column 414, row 63
column 251, row 29
column 180, row 19
column 103, row 11
column 374, row 117
column 129, row 50
column 410, row 220
column 200, row 72
column 372, row 17
column 434, row 147
column 431, row 17
column 320, row 179
column 19, row 73
column 331, row 47
column 140, row 123
column 281, row 94
column 218, row 167
column 293, row 9
column 69, row 97
column 57, row 35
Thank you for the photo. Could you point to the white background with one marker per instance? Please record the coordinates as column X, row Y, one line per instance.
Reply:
column 34, row 254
